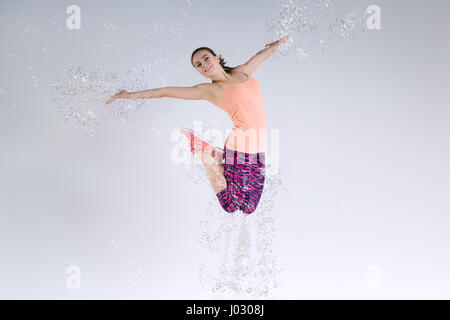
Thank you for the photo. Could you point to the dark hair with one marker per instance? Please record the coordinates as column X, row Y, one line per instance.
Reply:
column 221, row 60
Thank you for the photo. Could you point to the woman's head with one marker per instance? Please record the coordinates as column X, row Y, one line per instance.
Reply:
column 208, row 63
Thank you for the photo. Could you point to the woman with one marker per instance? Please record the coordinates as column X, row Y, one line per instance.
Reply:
column 239, row 182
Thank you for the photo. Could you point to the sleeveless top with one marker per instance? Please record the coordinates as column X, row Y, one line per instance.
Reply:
column 244, row 104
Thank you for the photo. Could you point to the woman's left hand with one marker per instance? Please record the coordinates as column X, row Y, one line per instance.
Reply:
column 120, row 94
column 278, row 42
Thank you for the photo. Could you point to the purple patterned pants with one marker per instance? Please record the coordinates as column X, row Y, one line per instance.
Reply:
column 245, row 176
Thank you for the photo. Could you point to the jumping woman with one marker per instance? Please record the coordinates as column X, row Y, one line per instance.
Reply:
column 236, row 173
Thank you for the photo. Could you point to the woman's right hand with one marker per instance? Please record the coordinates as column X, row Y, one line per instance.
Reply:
column 120, row 94
column 277, row 43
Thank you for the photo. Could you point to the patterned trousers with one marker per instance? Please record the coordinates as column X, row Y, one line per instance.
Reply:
column 245, row 176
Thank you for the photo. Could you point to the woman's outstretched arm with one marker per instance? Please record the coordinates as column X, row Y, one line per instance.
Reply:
column 250, row 66
column 198, row 92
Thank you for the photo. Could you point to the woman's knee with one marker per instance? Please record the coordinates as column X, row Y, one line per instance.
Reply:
column 252, row 204
column 226, row 201
column 248, row 209
column 229, row 208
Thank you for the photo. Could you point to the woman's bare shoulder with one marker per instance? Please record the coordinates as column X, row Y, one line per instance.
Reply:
column 213, row 91
column 208, row 86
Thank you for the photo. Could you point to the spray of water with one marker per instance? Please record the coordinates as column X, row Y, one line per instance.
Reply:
column 239, row 260
column 81, row 95
column 237, row 256
column 313, row 24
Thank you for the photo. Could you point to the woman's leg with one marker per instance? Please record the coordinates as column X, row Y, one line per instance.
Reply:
column 229, row 200
column 214, row 170
column 255, row 184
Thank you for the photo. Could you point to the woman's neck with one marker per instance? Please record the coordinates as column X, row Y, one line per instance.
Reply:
column 224, row 76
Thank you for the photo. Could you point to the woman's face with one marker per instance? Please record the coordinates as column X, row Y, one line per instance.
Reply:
column 205, row 63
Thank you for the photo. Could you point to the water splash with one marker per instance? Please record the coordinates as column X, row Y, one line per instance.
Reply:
column 238, row 259
column 314, row 24
column 81, row 95
column 346, row 28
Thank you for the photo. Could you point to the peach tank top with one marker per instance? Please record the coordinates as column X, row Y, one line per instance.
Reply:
column 244, row 104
